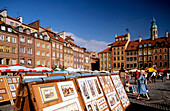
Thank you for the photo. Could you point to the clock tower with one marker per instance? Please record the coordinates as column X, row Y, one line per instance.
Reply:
column 154, row 29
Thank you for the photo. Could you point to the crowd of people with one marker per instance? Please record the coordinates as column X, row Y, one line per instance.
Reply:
column 142, row 78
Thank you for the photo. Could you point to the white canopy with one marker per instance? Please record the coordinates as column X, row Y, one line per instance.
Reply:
column 134, row 70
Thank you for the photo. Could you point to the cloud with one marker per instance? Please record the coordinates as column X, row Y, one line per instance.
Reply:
column 91, row 45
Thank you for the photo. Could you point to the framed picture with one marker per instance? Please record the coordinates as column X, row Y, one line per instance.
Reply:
column 17, row 79
column 84, row 90
column 1, row 80
column 14, row 80
column 13, row 94
column 70, row 105
column 97, row 86
column 103, row 106
column 67, row 90
column 48, row 93
column 9, row 80
column 111, row 100
column 3, row 91
column 119, row 108
column 12, row 87
column 1, row 98
column 95, row 106
column 89, row 107
column 91, row 87
column 16, row 85
column 101, row 100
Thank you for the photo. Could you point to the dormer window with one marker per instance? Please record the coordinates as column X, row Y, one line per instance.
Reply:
column 45, row 37
column 145, row 45
column 41, row 37
column 9, row 29
column 140, row 46
column 132, row 45
column 163, row 43
column 68, row 45
column 3, row 28
column 64, row 44
column 20, row 29
column 35, row 35
column 149, row 44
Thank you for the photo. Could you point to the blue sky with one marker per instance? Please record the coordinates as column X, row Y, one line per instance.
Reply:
column 94, row 23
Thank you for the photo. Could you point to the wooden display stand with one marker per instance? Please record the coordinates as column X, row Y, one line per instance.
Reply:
column 8, row 88
column 120, row 90
column 48, row 95
column 91, row 93
column 110, row 93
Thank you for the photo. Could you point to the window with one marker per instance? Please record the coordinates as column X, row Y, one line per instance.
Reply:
column 57, row 55
column 37, row 52
column 160, row 56
column 45, row 37
column 160, row 50
column 38, row 62
column 122, row 58
column 22, row 50
column 131, row 65
column 41, row 37
column 57, row 46
column 37, row 44
column 43, row 53
column 61, row 56
column 149, row 44
column 16, row 25
column 165, row 56
column 135, row 65
column 131, row 58
column 122, row 52
column 134, row 53
column 140, row 53
column 127, row 65
column 7, row 39
column 43, row 46
column 160, row 64
column 150, row 58
column 155, row 50
column 165, row 50
column 131, row 53
column 43, row 63
column 117, row 58
column 1, row 37
column 13, row 40
column 9, row 29
column 47, row 46
column 114, row 53
column 7, row 49
column 127, row 53
column 7, row 61
column 48, row 55
column 22, row 39
column 14, row 62
column 117, row 52
column 156, row 63
column 12, row 23
column 29, row 51
column 53, row 54
column 156, row 57
column 118, row 65
column 149, row 52
column 29, row 62
column 135, row 58
column 127, row 58
column 13, row 50
column 140, row 45
column 140, row 59
column 145, row 53
column 21, row 60
column 1, row 48
column 35, row 35
column 29, row 40
column 165, row 64
column 3, row 28
column 53, row 44
column 145, row 45
column 145, row 58
column 61, row 47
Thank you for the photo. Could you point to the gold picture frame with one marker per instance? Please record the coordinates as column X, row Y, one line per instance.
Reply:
column 48, row 93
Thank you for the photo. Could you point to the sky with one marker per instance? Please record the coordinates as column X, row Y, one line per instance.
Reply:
column 94, row 23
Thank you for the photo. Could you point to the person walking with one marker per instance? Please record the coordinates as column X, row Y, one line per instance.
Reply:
column 153, row 76
column 164, row 75
column 142, row 86
column 131, row 87
column 136, row 76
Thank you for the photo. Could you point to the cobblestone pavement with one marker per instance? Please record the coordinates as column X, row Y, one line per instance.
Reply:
column 159, row 93
column 160, row 98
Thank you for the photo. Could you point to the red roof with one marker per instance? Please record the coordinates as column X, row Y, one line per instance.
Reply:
column 109, row 49
column 161, row 40
column 59, row 38
column 69, row 37
column 13, row 18
column 119, row 36
column 132, row 45
column 118, row 43
column 146, row 41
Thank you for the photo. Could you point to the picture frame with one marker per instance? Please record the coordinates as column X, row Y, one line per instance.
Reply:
column 14, row 80
column 101, row 100
column 16, row 85
column 84, row 90
column 3, row 91
column 48, row 93
column 12, row 87
column 97, row 87
column 18, row 79
column 1, row 98
column 70, row 105
column 13, row 94
column 111, row 100
column 95, row 105
column 9, row 80
column 89, row 107
column 91, row 87
column 67, row 90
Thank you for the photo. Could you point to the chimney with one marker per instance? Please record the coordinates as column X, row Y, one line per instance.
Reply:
column 49, row 28
column 166, row 34
column 20, row 19
column 116, row 39
column 128, row 35
column 140, row 38
column 4, row 13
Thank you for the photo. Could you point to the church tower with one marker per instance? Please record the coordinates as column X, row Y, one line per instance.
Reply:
column 154, row 29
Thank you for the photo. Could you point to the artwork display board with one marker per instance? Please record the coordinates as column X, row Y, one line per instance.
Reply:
column 4, row 96
column 92, row 94
column 12, row 84
column 56, row 96
column 109, row 91
column 120, row 90
column 31, row 76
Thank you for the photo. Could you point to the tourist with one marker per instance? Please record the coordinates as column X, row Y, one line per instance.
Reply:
column 164, row 75
column 142, row 89
column 153, row 76
column 131, row 87
column 136, row 76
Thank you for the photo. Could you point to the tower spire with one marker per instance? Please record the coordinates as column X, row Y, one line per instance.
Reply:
column 154, row 29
